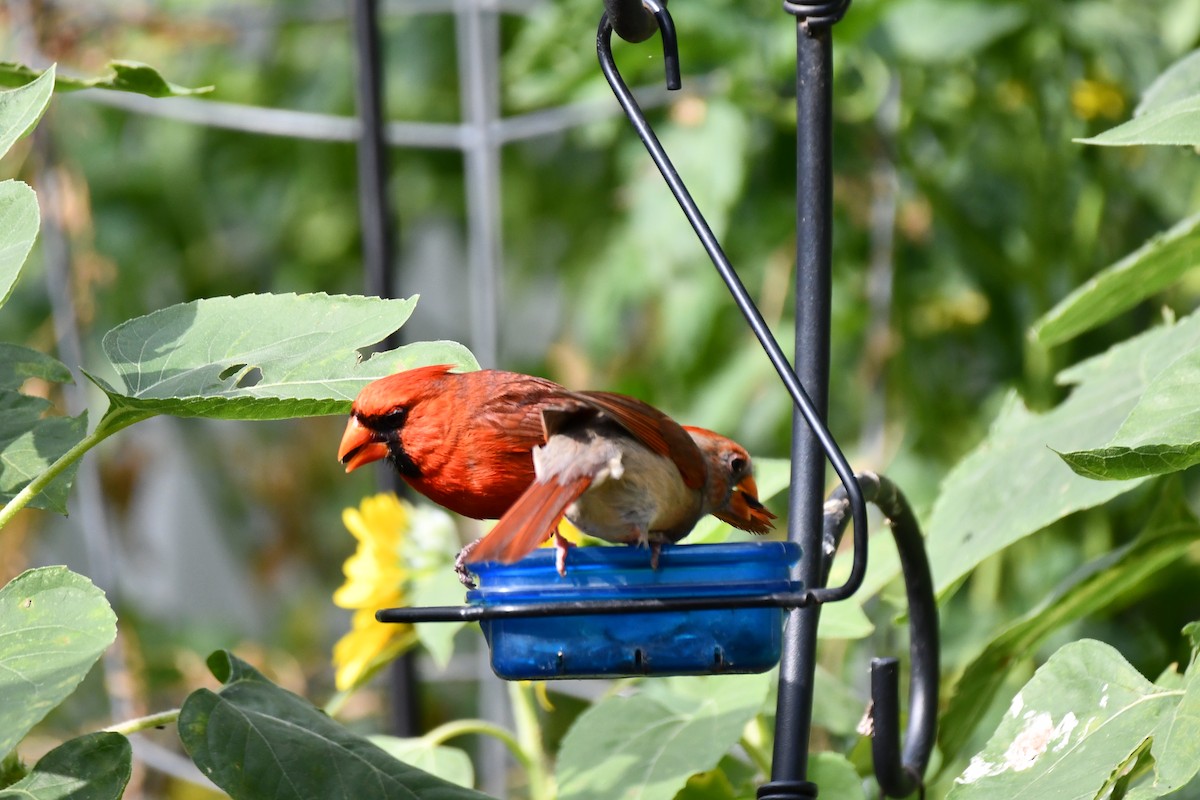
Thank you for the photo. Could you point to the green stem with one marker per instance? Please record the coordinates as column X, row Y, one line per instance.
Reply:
column 12, row 769
column 109, row 424
column 145, row 723
column 529, row 734
column 760, row 758
column 466, row 727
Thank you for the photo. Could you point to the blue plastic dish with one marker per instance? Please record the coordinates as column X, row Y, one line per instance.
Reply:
column 722, row 641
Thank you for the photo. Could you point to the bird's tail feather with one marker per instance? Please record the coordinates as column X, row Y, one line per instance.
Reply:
column 529, row 522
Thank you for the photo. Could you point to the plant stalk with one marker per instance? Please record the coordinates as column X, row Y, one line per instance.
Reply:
column 529, row 734
column 109, row 424
column 158, row 720
column 466, row 727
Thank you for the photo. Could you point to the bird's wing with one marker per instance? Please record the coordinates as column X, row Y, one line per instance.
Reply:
column 529, row 522
column 528, row 394
column 655, row 430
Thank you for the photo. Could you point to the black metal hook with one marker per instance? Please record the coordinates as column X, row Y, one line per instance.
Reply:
column 744, row 303
column 900, row 773
column 631, row 20
column 659, row 19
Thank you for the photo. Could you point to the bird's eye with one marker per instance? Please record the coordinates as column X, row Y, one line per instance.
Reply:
column 392, row 419
column 737, row 464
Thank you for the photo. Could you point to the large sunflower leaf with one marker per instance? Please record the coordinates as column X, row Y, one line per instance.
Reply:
column 123, row 76
column 266, row 356
column 1086, row 722
column 1161, row 433
column 92, row 767
column 54, row 625
column 258, row 741
column 1014, row 483
column 1151, row 268
column 646, row 747
column 21, row 108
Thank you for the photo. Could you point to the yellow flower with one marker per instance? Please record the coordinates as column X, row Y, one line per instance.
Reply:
column 1091, row 99
column 368, row 645
column 397, row 543
column 375, row 573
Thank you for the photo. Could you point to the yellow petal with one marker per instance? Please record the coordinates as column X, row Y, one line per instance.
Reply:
column 368, row 644
column 375, row 574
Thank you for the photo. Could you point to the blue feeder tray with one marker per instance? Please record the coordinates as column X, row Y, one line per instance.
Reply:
column 705, row 642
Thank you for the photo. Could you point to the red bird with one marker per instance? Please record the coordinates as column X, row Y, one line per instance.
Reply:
column 463, row 440
column 623, row 471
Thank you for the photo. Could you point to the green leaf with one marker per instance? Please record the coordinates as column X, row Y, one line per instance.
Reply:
column 430, row 549
column 30, row 441
column 256, row 740
column 18, row 364
column 1014, row 483
column 1161, row 433
column 835, row 776
column 647, row 746
column 20, row 109
column 92, row 767
column 1146, row 271
column 1175, row 744
column 837, row 707
column 845, row 621
column 447, row 763
column 1176, row 123
column 1085, row 712
column 437, row 587
column 934, row 31
column 19, row 223
column 54, row 625
column 1178, row 82
column 1106, row 582
column 1192, row 632
column 123, row 76
column 731, row 779
column 265, row 356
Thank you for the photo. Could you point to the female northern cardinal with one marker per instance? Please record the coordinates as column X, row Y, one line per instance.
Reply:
column 463, row 440
column 623, row 471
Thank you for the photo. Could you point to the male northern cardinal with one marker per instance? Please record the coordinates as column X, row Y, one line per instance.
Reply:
column 463, row 440
column 623, row 471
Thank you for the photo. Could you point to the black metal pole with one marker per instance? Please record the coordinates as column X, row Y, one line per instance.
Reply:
column 373, row 206
column 814, row 226
column 377, row 245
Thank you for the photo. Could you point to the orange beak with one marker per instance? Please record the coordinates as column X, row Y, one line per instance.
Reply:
column 744, row 511
column 360, row 445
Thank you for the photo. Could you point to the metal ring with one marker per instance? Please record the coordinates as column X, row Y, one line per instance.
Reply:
column 817, row 15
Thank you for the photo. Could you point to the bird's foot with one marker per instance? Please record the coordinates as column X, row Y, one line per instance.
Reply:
column 460, row 566
column 561, row 546
column 655, row 551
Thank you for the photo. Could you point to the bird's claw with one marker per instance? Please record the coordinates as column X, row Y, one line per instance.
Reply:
column 561, row 546
column 460, row 566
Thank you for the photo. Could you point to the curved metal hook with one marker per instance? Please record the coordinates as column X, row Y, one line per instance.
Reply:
column 900, row 773
column 631, row 20
column 741, row 297
column 665, row 25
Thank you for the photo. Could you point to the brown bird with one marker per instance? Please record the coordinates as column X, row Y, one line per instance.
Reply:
column 464, row 440
column 623, row 471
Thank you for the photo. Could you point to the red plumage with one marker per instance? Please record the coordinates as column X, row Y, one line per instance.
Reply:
column 622, row 471
column 463, row 440
column 492, row 444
